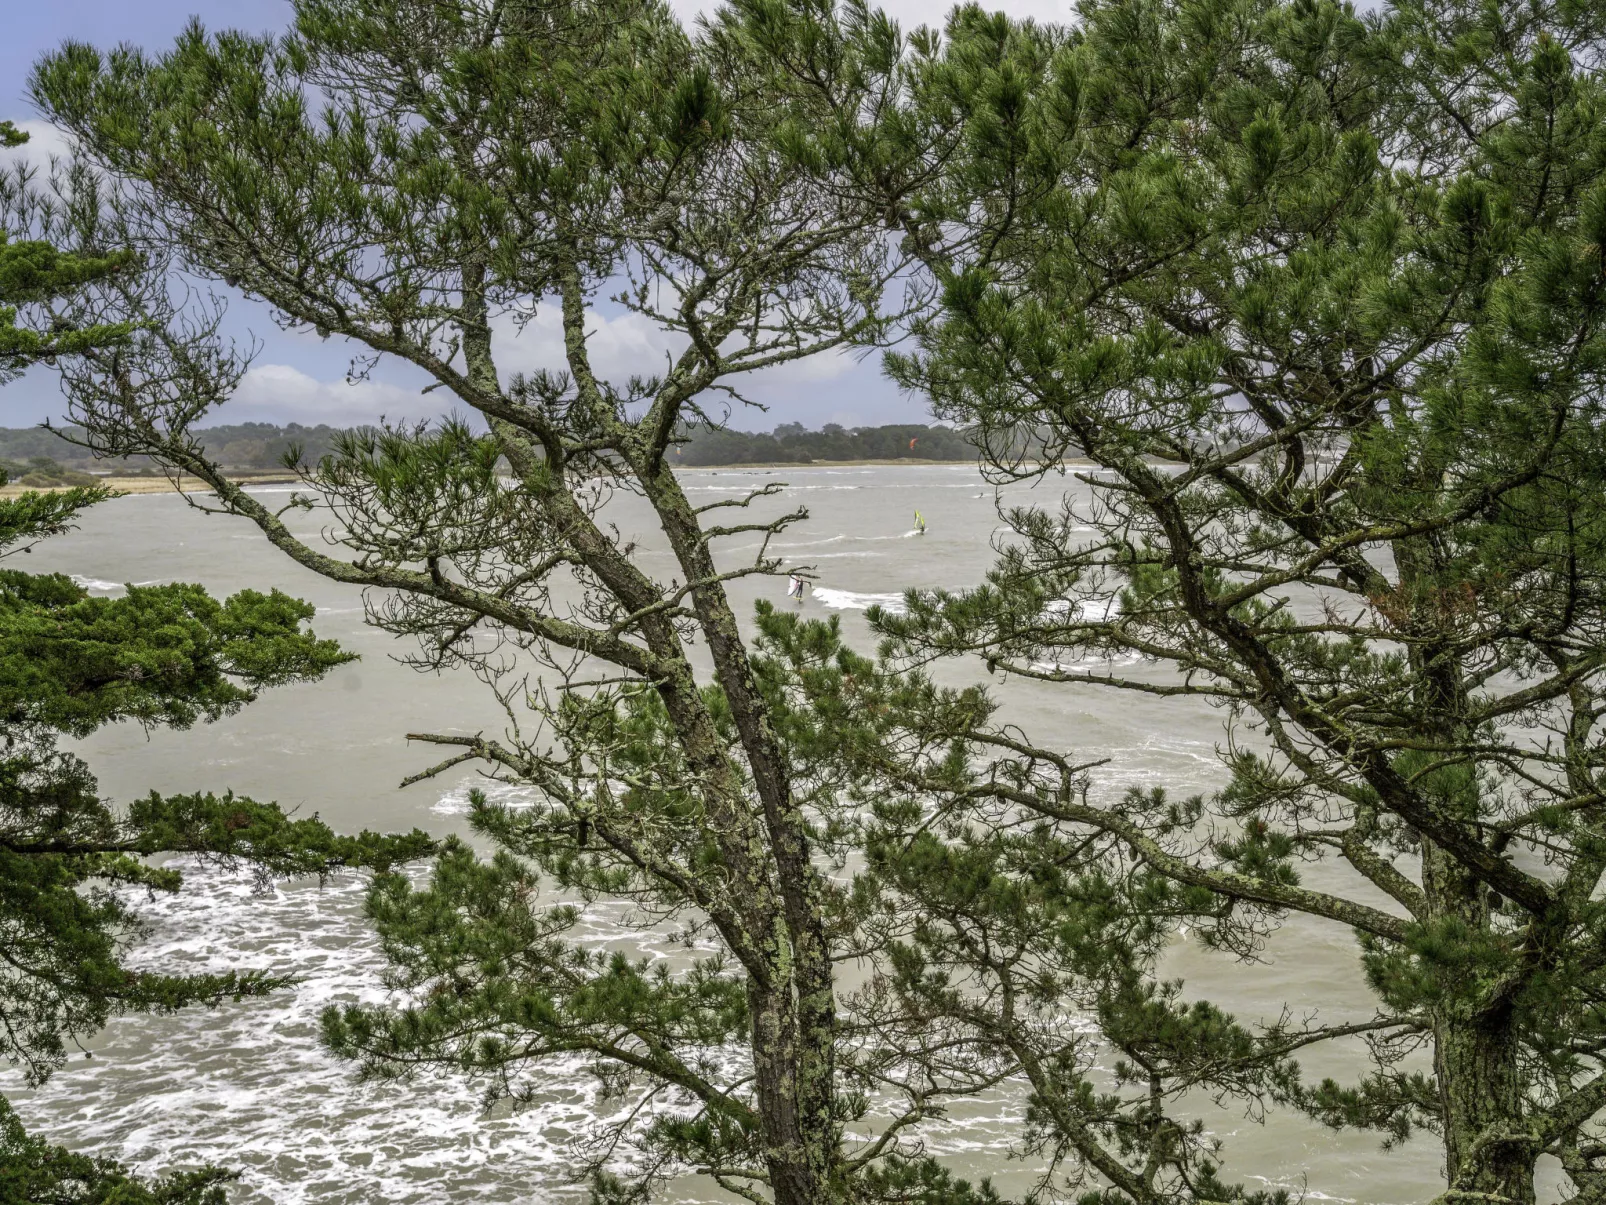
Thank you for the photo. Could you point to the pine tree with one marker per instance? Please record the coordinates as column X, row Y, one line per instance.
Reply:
column 71, row 863
column 1313, row 304
column 34, row 272
column 35, row 1173
column 1317, row 292
column 420, row 178
column 855, row 964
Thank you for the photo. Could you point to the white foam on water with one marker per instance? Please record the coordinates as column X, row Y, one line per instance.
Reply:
column 455, row 802
column 1082, row 610
column 851, row 600
column 97, row 585
column 836, row 539
column 794, row 486
column 1086, row 664
column 250, row 1085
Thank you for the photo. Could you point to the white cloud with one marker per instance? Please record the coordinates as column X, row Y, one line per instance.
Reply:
column 832, row 389
column 44, row 140
column 621, row 346
column 282, row 393
column 629, row 344
column 825, row 366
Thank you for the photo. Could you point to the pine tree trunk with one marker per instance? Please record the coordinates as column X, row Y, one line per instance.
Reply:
column 794, row 1017
column 1475, row 1057
column 799, row 1144
column 1475, row 1042
column 1475, row 1062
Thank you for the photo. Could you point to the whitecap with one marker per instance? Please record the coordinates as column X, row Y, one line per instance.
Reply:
column 850, row 600
column 455, row 802
column 1082, row 610
column 95, row 585
column 836, row 539
column 249, row 1085
column 1086, row 664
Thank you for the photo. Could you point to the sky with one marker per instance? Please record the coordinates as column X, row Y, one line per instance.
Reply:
column 297, row 377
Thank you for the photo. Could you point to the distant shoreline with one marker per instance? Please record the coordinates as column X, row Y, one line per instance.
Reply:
column 1073, row 462
column 144, row 485
column 193, row 485
column 815, row 464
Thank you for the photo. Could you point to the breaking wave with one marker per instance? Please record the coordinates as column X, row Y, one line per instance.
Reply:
column 852, row 600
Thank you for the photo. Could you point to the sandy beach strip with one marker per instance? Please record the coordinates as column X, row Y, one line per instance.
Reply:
column 144, row 485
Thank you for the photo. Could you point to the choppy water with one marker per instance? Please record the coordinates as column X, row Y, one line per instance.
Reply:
column 249, row 1086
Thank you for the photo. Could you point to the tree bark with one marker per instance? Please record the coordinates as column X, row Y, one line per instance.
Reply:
column 1487, row 1148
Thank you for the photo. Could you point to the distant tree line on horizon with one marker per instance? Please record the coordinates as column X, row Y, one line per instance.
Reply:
column 259, row 447
column 792, row 442
column 39, row 456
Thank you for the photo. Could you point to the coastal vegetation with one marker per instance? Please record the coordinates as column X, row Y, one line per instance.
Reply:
column 480, row 162
column 71, row 862
column 1323, row 297
column 792, row 443
column 244, row 448
column 251, row 449
column 1320, row 294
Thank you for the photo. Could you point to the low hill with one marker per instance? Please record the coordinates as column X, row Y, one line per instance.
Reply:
column 793, row 443
column 253, row 448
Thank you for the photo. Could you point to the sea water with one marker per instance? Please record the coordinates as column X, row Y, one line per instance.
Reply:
column 248, row 1085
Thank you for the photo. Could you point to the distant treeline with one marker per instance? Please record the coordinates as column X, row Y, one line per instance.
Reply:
column 792, row 443
column 262, row 447
column 240, row 447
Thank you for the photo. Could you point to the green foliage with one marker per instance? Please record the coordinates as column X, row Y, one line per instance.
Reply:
column 889, row 900
column 168, row 655
column 66, row 862
column 502, row 989
column 35, row 1173
column 922, row 1182
column 266, row 447
column 35, row 274
column 41, row 471
column 71, row 865
column 1320, row 294
column 33, row 515
column 401, row 173
column 70, row 862
column 58, row 452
